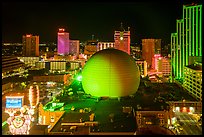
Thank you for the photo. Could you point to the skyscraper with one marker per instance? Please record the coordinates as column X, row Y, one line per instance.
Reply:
column 74, row 47
column 150, row 47
column 62, row 42
column 122, row 40
column 30, row 45
column 187, row 41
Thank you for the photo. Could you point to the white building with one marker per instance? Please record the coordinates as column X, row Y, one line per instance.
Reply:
column 29, row 61
column 105, row 45
column 193, row 80
column 164, row 66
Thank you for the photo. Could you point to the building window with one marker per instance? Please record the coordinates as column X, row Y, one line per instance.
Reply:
column 162, row 121
column 52, row 119
column 139, row 121
column 148, row 123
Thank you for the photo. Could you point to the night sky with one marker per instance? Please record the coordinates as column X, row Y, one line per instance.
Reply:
column 155, row 19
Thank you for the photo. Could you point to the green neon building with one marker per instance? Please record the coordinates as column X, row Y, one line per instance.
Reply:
column 187, row 41
column 110, row 73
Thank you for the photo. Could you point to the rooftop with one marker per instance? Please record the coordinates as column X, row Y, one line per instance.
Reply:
column 195, row 66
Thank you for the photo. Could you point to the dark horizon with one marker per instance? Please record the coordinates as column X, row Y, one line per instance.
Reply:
column 82, row 20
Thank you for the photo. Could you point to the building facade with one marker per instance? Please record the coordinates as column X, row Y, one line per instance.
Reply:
column 105, row 45
column 30, row 45
column 187, row 41
column 90, row 47
column 58, row 65
column 155, row 61
column 145, row 117
column 29, row 61
column 74, row 47
column 150, row 47
column 142, row 67
column 122, row 40
column 62, row 42
column 10, row 64
column 64, row 78
column 10, row 49
column 193, row 80
column 164, row 66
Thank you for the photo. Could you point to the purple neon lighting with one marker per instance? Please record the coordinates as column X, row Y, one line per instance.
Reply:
column 63, row 44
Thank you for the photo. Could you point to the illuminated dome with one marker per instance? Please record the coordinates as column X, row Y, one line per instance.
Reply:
column 112, row 73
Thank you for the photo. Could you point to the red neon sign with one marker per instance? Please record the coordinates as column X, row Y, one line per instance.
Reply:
column 61, row 29
column 60, row 33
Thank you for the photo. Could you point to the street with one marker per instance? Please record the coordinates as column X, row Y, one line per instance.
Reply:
column 188, row 124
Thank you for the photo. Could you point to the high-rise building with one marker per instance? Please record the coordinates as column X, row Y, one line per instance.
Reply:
column 187, row 41
column 150, row 47
column 74, row 47
column 164, row 66
column 122, row 40
column 63, row 42
column 30, row 45
column 193, row 79
column 155, row 61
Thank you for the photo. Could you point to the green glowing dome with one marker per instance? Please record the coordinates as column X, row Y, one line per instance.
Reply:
column 112, row 73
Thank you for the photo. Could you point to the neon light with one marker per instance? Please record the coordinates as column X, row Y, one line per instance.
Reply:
column 63, row 43
column 187, row 32
column 171, row 58
column 177, row 54
column 4, row 123
column 193, row 31
column 190, row 31
column 197, row 46
column 20, row 121
column 183, row 45
column 34, row 96
column 200, row 25
column 14, row 101
column 189, row 37
column 60, row 33
column 61, row 29
column 79, row 78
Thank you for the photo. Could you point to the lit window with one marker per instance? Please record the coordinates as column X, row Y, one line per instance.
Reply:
column 139, row 121
column 52, row 119
column 148, row 123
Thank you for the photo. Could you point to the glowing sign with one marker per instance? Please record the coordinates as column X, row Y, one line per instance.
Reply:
column 19, row 121
column 61, row 29
column 60, row 33
column 28, row 35
column 14, row 101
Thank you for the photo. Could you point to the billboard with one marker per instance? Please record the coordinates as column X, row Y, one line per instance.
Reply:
column 14, row 101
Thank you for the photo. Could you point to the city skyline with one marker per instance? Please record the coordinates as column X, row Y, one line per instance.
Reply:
column 82, row 20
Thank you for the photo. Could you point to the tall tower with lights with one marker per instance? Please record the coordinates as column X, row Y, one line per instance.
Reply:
column 30, row 45
column 150, row 48
column 187, row 41
column 62, row 42
column 122, row 40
